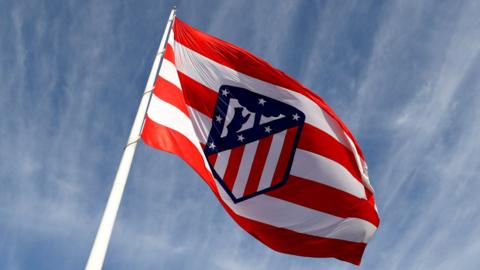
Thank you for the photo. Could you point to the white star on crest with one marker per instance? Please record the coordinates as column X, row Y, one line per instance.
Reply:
column 241, row 138
column 296, row 117
column 218, row 118
column 268, row 129
column 261, row 101
column 225, row 92
column 211, row 145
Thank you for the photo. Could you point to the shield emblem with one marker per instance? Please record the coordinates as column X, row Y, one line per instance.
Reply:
column 252, row 142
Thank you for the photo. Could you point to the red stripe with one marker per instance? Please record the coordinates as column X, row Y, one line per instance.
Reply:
column 325, row 199
column 232, row 166
column 319, row 142
column 170, row 93
column 243, row 61
column 370, row 197
column 212, row 159
column 198, row 96
column 257, row 166
column 169, row 54
column 290, row 242
column 284, row 156
column 169, row 140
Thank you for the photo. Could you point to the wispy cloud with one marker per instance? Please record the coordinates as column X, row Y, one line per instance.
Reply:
column 418, row 91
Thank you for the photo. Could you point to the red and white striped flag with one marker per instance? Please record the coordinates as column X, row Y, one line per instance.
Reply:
column 277, row 157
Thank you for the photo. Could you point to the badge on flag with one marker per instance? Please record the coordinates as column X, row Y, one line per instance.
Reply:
column 252, row 142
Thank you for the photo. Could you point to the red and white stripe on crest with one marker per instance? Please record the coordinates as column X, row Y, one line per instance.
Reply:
column 255, row 166
column 324, row 209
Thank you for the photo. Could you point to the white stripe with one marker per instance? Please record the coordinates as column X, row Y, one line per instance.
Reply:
column 212, row 75
column 272, row 160
column 320, row 169
column 201, row 123
column 171, row 38
column 358, row 159
column 165, row 114
column 244, row 169
column 170, row 116
column 168, row 71
column 283, row 214
column 222, row 162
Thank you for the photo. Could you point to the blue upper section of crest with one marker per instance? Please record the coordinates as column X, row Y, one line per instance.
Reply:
column 252, row 117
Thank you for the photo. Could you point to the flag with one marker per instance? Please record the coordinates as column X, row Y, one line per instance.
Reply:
column 279, row 160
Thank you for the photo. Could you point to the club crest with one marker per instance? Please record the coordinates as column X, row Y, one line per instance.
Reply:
column 252, row 142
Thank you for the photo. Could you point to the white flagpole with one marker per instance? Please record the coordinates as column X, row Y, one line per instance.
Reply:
column 99, row 249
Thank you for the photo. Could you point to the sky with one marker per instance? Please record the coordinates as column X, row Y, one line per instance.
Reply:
column 403, row 75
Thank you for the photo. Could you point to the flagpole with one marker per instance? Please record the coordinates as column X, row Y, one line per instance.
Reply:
column 99, row 249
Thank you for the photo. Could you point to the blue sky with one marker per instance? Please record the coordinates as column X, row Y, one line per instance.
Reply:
column 402, row 74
